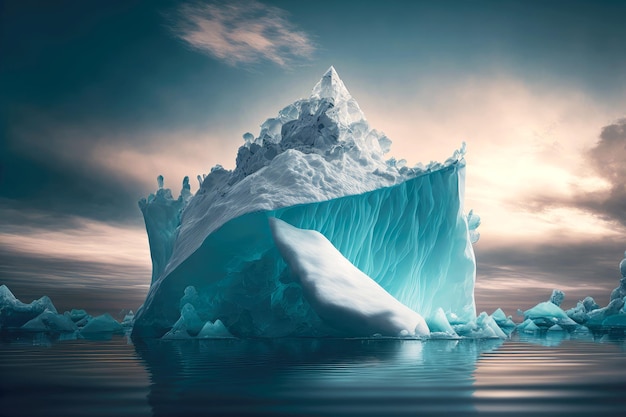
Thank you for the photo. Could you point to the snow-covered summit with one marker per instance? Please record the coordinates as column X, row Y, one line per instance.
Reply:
column 331, row 86
column 316, row 149
column 329, row 123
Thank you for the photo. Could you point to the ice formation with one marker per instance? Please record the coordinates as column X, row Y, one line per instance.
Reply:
column 14, row 313
column 586, row 315
column 318, row 166
column 104, row 323
column 341, row 295
column 40, row 316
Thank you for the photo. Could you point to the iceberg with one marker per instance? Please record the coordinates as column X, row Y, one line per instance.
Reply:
column 50, row 321
column 586, row 316
column 14, row 313
column 316, row 166
column 104, row 323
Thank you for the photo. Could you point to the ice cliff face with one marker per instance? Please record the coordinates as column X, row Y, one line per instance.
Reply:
column 318, row 165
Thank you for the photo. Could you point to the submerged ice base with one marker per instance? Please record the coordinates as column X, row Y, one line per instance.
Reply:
column 318, row 166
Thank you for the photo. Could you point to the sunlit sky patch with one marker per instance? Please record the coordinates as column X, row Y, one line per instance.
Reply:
column 98, row 99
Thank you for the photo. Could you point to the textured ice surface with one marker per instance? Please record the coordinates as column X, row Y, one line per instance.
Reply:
column 129, row 319
column 586, row 315
column 557, row 297
column 14, row 313
column 342, row 296
column 547, row 314
column 161, row 214
column 438, row 323
column 50, row 321
column 215, row 330
column 104, row 323
column 502, row 319
column 318, row 165
column 190, row 324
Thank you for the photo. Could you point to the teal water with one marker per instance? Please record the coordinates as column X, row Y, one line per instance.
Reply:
column 525, row 376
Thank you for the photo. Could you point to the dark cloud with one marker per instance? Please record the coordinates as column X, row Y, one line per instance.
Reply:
column 62, row 190
column 606, row 159
column 609, row 159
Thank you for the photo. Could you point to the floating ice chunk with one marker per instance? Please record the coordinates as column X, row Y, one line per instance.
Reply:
column 555, row 328
column 617, row 321
column 590, row 304
column 104, row 323
column 547, row 314
column 580, row 313
column 215, row 330
column 597, row 317
column 483, row 327
column 581, row 332
column 619, row 292
column 343, row 296
column 77, row 315
column 439, row 323
column 501, row 319
column 128, row 319
column 14, row 313
column 189, row 320
column 523, row 325
column 484, row 320
column 531, row 327
column 557, row 297
column 50, row 321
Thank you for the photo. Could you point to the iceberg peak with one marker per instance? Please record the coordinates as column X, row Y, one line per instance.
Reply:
column 331, row 86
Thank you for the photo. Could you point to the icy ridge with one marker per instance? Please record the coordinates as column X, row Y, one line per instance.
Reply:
column 316, row 149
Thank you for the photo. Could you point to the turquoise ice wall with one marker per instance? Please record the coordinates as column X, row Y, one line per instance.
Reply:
column 412, row 238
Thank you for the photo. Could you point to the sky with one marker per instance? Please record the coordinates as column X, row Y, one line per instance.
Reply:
column 98, row 98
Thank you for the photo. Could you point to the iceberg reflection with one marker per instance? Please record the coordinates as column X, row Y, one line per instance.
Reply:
column 312, row 376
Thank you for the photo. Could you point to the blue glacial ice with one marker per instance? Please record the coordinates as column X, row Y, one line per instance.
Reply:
column 586, row 315
column 317, row 166
column 41, row 316
column 339, row 293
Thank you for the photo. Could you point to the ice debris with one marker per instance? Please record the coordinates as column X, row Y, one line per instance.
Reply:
column 40, row 316
column 14, row 313
column 191, row 325
column 586, row 316
column 104, row 323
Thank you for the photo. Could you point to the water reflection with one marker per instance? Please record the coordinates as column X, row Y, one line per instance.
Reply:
column 312, row 376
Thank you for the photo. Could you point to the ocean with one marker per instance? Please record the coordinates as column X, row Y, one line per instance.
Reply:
column 522, row 376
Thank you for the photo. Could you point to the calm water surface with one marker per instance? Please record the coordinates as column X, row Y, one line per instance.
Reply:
column 524, row 376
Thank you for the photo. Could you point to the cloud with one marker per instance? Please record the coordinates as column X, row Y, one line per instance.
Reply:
column 515, row 276
column 79, row 263
column 609, row 159
column 98, row 172
column 242, row 32
column 605, row 194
